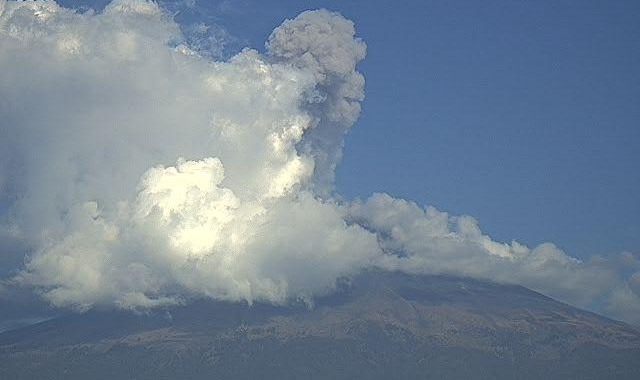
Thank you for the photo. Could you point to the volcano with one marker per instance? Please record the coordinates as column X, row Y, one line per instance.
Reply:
column 378, row 325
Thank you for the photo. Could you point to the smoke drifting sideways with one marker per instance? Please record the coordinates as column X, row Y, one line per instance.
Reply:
column 138, row 172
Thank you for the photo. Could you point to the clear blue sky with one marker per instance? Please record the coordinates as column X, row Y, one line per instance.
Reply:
column 523, row 114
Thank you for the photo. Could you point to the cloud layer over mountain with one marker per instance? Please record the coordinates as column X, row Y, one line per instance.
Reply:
column 138, row 172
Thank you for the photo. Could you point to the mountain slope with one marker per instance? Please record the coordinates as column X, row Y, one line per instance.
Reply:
column 380, row 325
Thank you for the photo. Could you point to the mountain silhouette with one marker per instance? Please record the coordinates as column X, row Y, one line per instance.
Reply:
column 378, row 325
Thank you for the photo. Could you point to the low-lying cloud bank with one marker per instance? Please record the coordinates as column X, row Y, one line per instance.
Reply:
column 141, row 173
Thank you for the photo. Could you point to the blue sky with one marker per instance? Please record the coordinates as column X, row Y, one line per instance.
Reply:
column 522, row 114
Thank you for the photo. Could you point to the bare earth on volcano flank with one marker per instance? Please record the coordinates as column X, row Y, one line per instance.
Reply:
column 379, row 325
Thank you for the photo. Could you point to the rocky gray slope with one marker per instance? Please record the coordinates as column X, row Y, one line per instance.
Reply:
column 379, row 325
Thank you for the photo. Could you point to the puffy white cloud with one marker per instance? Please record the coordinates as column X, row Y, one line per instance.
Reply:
column 185, row 235
column 140, row 172
column 429, row 241
column 101, row 106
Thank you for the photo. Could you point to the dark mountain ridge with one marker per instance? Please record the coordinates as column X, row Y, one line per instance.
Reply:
column 378, row 325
